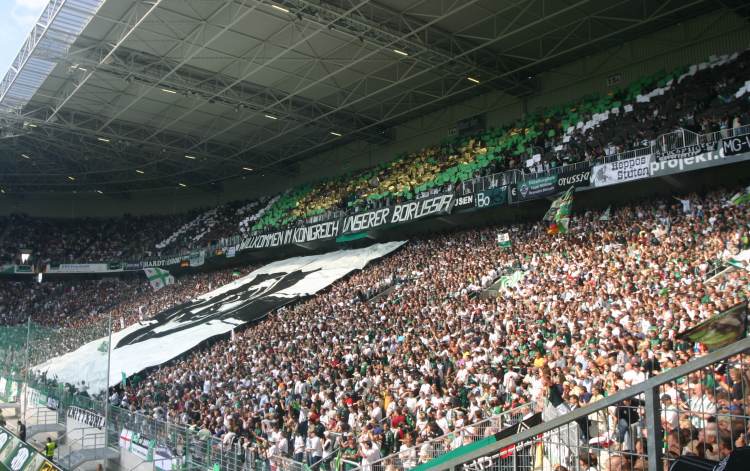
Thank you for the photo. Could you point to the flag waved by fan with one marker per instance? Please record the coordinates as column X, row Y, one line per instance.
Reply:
column 558, row 214
column 740, row 198
column 158, row 277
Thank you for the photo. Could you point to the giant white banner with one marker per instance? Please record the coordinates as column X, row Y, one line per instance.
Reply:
column 621, row 171
column 183, row 327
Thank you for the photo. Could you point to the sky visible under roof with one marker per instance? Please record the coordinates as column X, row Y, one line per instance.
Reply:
column 17, row 17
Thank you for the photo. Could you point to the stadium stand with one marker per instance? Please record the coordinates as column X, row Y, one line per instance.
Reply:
column 431, row 356
column 70, row 303
column 69, row 313
column 217, row 223
column 597, row 340
column 92, row 239
column 700, row 98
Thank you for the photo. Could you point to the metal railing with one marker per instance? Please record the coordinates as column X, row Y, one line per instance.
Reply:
column 717, row 136
column 667, row 141
column 675, row 140
column 193, row 448
column 700, row 408
column 428, row 450
column 284, row 463
column 76, row 440
column 489, row 182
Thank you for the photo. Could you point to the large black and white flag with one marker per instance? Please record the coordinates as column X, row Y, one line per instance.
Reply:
column 183, row 327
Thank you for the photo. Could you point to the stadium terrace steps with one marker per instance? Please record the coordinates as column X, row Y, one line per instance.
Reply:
column 78, row 457
column 32, row 430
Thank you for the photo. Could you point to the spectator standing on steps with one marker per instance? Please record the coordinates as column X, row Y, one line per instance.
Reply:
column 49, row 449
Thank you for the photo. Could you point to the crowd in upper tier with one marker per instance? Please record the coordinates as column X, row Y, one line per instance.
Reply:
column 591, row 312
column 702, row 98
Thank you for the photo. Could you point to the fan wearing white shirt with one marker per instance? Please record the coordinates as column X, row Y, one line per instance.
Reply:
column 670, row 415
column 408, row 453
column 313, row 447
column 376, row 413
column 299, row 448
column 370, row 453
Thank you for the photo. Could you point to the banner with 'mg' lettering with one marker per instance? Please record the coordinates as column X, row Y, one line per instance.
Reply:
column 736, row 145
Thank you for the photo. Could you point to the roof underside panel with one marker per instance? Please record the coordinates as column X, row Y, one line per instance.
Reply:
column 104, row 88
column 54, row 32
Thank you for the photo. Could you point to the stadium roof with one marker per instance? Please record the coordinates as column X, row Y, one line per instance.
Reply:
column 120, row 95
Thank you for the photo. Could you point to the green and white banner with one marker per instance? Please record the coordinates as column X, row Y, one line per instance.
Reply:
column 503, row 240
column 559, row 212
column 158, row 277
column 8, row 390
column 138, row 445
column 534, row 188
column 197, row 258
column 10, row 269
column 16, row 455
column 512, row 280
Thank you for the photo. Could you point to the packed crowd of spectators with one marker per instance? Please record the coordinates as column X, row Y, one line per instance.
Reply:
column 83, row 239
column 596, row 311
column 701, row 102
column 224, row 221
column 58, row 303
column 67, row 314
column 126, row 238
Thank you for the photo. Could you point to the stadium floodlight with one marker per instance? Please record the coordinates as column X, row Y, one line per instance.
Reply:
column 335, row 133
column 280, row 8
column 100, row 192
column 249, row 169
column 31, row 125
column 166, row 90
column 270, row 116
column 25, row 156
column 72, row 178
column 400, row 52
column 472, row 79
column 103, row 139
column 2, row 191
column 182, row 185
column 140, row 171
column 191, row 157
